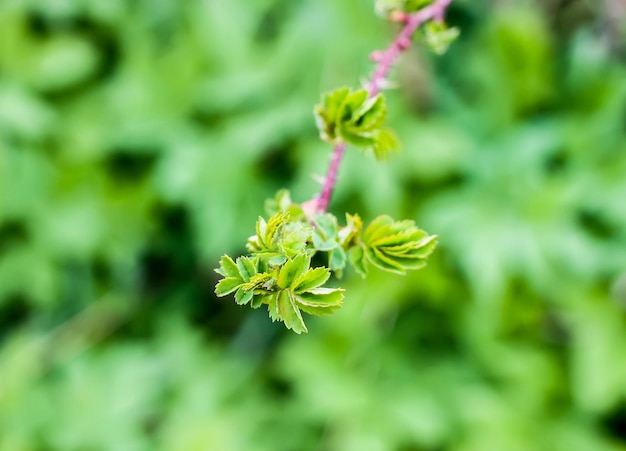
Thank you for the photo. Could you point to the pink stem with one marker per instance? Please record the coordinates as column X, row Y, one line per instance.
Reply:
column 331, row 178
column 384, row 61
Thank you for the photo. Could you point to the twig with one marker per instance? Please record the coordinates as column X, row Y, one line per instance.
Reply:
column 384, row 60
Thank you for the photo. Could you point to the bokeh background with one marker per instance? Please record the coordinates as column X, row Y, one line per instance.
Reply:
column 138, row 141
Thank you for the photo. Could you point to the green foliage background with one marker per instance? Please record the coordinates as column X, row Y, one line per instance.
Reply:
column 138, row 140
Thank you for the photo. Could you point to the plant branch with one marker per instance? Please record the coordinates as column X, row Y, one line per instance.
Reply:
column 384, row 60
column 330, row 180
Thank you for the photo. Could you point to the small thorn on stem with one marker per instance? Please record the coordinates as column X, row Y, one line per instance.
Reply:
column 377, row 56
column 398, row 16
column 403, row 43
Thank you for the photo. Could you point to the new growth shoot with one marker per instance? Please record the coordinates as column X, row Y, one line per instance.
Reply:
column 278, row 271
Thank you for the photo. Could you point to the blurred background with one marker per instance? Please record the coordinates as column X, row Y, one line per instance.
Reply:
column 138, row 141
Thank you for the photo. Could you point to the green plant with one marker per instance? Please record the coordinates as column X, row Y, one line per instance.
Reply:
column 278, row 272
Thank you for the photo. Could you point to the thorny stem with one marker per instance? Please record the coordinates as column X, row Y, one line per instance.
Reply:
column 331, row 178
column 384, row 60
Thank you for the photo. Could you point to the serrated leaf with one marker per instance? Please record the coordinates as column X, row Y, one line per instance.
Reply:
column 375, row 226
column 242, row 296
column 281, row 238
column 277, row 260
column 337, row 259
column 289, row 312
column 426, row 248
column 357, row 119
column 318, row 311
column 227, row 286
column 263, row 281
column 385, row 142
column 273, row 228
column 247, row 269
column 415, row 249
column 320, row 244
column 396, row 246
column 321, row 297
column 406, row 238
column 354, row 102
column 327, row 113
column 356, row 256
column 313, row 278
column 261, row 265
column 272, row 306
column 381, row 261
column 259, row 300
column 322, row 303
column 371, row 115
column 228, row 268
column 411, row 263
column 325, row 232
column 356, row 137
column 293, row 270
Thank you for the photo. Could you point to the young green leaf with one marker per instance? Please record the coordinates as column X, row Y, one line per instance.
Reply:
column 311, row 279
column 322, row 297
column 337, row 259
column 228, row 268
column 304, row 292
column 355, row 118
column 293, row 270
column 247, row 269
column 356, row 255
column 233, row 279
column 395, row 246
column 294, row 238
column 272, row 307
column 242, row 297
column 227, row 286
column 278, row 239
column 320, row 301
column 325, row 232
column 274, row 226
column 385, row 142
column 371, row 115
column 439, row 36
column 242, row 279
column 327, row 113
column 289, row 312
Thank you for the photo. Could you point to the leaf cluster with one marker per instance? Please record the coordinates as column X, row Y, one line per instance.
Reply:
column 352, row 116
column 278, row 271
